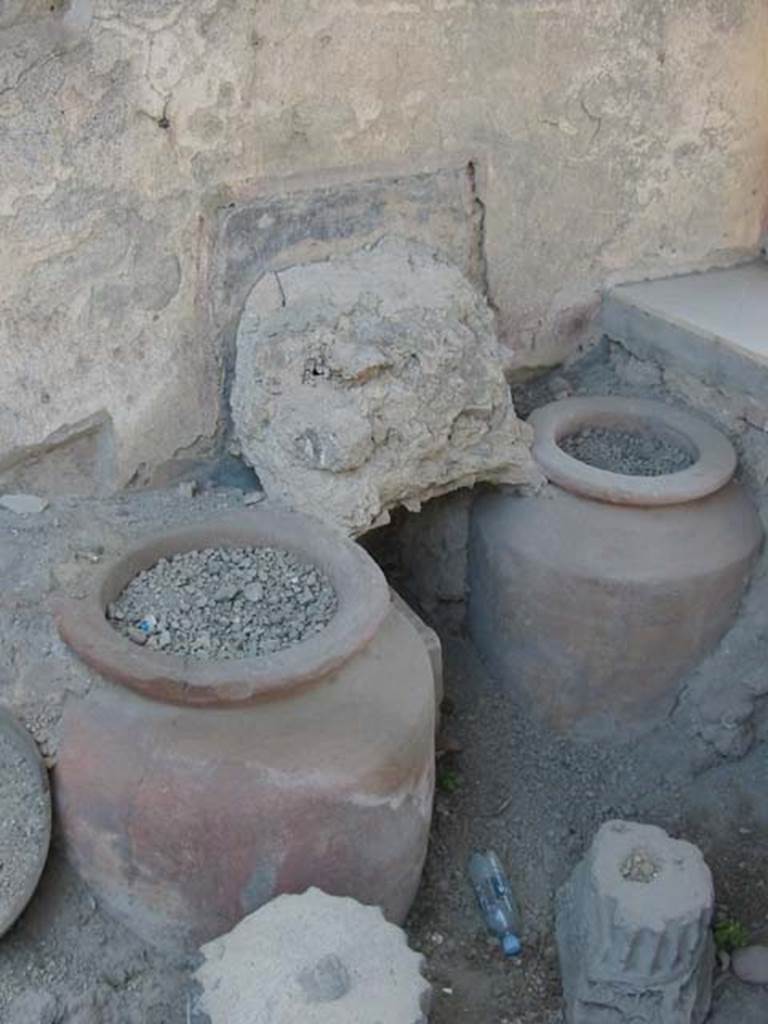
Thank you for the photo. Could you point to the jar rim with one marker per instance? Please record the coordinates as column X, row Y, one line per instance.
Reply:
column 361, row 590
column 714, row 456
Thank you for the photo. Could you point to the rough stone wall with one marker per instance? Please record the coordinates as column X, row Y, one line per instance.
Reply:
column 601, row 139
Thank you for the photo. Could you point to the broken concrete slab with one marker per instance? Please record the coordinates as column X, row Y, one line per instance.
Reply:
column 633, row 930
column 312, row 958
column 78, row 458
column 372, row 381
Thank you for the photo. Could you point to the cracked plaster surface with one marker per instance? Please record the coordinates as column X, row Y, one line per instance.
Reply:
column 613, row 141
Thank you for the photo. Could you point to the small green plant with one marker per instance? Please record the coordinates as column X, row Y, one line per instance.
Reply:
column 448, row 780
column 730, row 935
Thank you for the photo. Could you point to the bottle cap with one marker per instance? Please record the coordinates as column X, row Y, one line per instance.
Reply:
column 511, row 944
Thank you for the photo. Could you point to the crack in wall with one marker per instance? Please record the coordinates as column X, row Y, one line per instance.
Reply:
column 36, row 65
column 594, row 119
column 478, row 261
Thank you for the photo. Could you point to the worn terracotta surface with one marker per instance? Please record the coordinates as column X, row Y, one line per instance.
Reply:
column 592, row 611
column 184, row 818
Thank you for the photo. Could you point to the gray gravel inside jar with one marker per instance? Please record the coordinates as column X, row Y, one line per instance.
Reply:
column 223, row 603
column 632, row 453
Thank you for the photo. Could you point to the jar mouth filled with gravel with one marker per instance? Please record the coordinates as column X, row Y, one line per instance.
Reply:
column 640, row 866
column 225, row 603
column 628, row 452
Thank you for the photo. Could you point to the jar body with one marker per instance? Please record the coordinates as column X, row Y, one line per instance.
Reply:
column 592, row 612
column 184, row 819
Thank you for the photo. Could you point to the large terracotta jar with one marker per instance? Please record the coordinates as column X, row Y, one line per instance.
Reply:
column 591, row 600
column 190, row 792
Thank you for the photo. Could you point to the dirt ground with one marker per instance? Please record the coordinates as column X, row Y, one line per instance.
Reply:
column 537, row 800
column 534, row 797
column 66, row 961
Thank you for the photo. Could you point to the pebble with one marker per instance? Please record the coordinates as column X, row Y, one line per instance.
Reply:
column 751, row 964
column 225, row 603
column 639, row 867
column 187, row 488
column 23, row 504
column 254, row 498
column 92, row 555
column 35, row 1006
column 253, row 592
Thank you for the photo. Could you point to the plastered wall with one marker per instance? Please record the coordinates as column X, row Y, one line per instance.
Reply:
column 594, row 140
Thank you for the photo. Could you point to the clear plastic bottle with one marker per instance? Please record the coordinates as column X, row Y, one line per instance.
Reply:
column 494, row 896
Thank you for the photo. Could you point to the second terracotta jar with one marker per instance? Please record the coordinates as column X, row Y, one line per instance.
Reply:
column 593, row 599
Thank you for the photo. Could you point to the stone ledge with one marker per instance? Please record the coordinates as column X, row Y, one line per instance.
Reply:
column 713, row 326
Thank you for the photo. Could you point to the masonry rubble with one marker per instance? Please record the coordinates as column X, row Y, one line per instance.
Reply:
column 373, row 380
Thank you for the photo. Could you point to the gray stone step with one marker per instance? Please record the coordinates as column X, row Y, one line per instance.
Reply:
column 712, row 325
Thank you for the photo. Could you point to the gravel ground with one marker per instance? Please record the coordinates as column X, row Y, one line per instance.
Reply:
column 625, row 451
column 225, row 603
column 67, row 962
column 24, row 814
column 537, row 799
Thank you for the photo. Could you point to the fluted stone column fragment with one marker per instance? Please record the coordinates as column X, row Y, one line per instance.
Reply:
column 633, row 930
